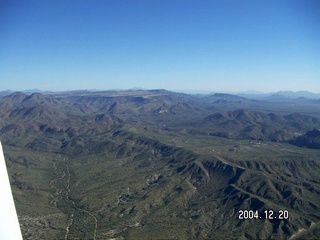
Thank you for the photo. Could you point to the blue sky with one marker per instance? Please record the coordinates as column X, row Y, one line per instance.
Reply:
column 217, row 45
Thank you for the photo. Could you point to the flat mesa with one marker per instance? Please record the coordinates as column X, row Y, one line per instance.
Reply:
column 9, row 224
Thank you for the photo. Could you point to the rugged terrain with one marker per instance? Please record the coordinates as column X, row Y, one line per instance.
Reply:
column 161, row 165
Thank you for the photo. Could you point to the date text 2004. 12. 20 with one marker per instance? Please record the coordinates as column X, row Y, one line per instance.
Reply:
column 266, row 214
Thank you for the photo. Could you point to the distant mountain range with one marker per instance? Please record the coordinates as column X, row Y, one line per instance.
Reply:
column 281, row 94
column 223, row 115
column 246, row 94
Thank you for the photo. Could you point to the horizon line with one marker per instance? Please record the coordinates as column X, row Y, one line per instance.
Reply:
column 187, row 91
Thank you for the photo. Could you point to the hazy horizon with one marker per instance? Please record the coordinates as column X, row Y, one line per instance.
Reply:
column 248, row 92
column 188, row 46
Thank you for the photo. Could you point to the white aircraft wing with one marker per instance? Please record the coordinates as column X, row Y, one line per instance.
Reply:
column 9, row 224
